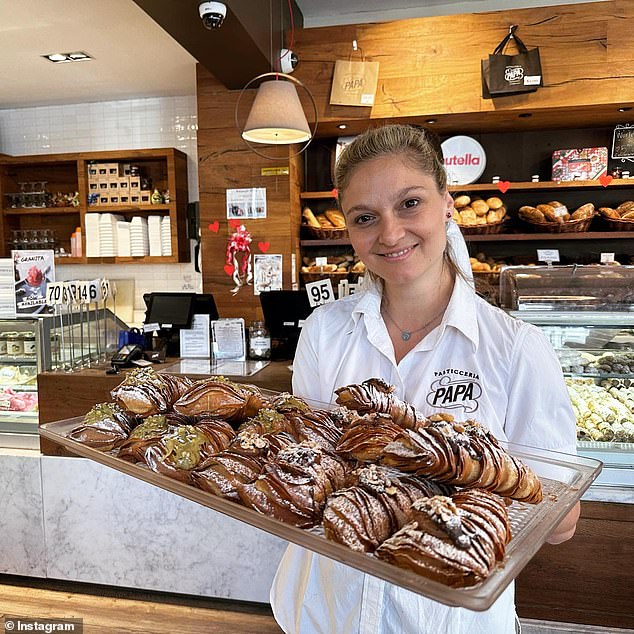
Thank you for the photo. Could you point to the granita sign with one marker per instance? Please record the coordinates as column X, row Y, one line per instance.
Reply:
column 465, row 160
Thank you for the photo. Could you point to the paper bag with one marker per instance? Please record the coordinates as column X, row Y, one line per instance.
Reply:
column 354, row 83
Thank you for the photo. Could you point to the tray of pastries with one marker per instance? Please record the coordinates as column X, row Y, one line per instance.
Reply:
column 435, row 505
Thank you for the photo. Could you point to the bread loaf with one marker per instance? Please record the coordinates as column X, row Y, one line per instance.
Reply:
column 310, row 217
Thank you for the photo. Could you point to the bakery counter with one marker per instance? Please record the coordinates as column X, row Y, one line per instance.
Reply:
column 65, row 395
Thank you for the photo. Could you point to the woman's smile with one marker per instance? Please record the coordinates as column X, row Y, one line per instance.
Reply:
column 395, row 256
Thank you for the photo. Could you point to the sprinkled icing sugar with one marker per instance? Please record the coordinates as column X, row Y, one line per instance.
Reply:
column 303, row 455
column 443, row 512
column 374, row 479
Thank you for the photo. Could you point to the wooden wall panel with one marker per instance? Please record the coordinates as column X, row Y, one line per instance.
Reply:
column 429, row 67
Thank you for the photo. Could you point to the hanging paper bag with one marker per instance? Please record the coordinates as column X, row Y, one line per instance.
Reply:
column 504, row 75
column 354, row 83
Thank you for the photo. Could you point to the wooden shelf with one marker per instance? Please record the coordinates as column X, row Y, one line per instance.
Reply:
column 133, row 209
column 40, row 211
column 543, row 185
column 325, row 243
column 539, row 237
column 313, row 195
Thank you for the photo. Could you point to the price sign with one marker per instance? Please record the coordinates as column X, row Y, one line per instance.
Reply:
column 54, row 293
column 607, row 258
column 72, row 289
column 548, row 255
column 105, row 289
column 94, row 291
column 321, row 261
column 320, row 292
column 84, row 292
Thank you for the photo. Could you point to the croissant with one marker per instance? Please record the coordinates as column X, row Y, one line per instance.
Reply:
column 220, row 398
column 145, row 392
column 363, row 516
column 455, row 540
column 104, row 427
column 367, row 436
column 466, row 455
column 375, row 395
column 294, row 485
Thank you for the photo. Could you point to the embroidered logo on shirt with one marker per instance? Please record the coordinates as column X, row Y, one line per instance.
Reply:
column 455, row 388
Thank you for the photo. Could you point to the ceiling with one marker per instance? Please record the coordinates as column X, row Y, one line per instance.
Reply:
column 134, row 57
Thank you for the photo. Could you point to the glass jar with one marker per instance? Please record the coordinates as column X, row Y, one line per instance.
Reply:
column 3, row 342
column 30, row 348
column 259, row 341
column 15, row 344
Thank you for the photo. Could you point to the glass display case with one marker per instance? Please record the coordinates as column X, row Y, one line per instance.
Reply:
column 587, row 313
column 30, row 345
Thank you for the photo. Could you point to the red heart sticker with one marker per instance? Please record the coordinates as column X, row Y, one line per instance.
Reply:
column 229, row 268
column 214, row 226
column 234, row 224
column 605, row 179
column 503, row 186
column 264, row 246
column 335, row 193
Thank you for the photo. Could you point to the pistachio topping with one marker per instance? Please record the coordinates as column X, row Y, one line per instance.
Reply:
column 182, row 446
column 152, row 426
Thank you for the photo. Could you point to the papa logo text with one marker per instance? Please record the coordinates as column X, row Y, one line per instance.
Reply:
column 450, row 394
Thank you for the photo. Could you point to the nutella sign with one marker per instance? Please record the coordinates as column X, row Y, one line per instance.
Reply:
column 465, row 160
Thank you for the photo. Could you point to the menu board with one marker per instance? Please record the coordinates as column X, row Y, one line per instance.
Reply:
column 623, row 142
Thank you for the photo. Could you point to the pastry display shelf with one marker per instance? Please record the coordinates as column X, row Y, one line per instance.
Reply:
column 564, row 479
column 40, row 211
column 5, row 358
column 590, row 375
column 13, row 416
column 543, row 185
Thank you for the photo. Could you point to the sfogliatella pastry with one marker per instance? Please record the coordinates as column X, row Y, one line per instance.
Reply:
column 104, row 427
column 315, row 426
column 455, row 540
column 145, row 392
column 363, row 516
column 241, row 462
column 375, row 395
column 295, row 484
column 148, row 433
column 465, row 455
column 221, row 398
column 182, row 449
column 268, row 421
column 367, row 436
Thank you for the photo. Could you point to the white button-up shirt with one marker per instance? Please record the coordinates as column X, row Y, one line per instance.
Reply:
column 478, row 364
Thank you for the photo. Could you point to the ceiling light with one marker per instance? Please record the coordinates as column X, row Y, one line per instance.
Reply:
column 276, row 116
column 430, row 121
column 342, row 126
column 625, row 109
column 61, row 58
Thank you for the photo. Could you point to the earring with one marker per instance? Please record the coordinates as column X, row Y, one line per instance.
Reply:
column 449, row 214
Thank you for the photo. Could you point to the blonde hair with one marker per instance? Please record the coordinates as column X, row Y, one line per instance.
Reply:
column 418, row 145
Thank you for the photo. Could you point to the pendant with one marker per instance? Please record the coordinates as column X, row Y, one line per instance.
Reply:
column 405, row 335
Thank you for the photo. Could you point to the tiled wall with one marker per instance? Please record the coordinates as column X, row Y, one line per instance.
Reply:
column 113, row 125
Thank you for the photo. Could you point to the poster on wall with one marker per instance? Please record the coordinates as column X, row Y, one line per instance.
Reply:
column 33, row 271
column 244, row 204
column 267, row 272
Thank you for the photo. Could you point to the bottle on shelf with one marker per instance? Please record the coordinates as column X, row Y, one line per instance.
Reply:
column 259, row 341
column 75, row 243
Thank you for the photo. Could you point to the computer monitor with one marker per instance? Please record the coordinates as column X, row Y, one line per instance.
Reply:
column 203, row 303
column 284, row 315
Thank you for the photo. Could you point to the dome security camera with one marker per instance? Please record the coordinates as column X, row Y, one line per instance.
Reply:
column 288, row 61
column 212, row 14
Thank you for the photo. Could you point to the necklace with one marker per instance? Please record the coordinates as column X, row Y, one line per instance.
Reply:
column 407, row 334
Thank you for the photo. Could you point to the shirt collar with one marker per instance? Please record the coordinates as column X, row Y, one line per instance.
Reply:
column 460, row 313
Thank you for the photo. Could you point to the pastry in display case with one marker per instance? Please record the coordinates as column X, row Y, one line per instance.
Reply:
column 587, row 313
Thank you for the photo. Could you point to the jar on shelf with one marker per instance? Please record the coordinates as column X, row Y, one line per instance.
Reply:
column 259, row 341
column 15, row 344
column 30, row 347
column 3, row 343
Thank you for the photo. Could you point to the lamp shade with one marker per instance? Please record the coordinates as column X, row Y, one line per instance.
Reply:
column 277, row 116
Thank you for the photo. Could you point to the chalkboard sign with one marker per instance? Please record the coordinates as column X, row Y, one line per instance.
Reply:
column 623, row 143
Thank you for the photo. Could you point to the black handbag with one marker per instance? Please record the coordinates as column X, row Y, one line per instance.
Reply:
column 511, row 74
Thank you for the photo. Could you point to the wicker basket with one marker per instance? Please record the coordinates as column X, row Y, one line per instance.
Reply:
column 326, row 234
column 613, row 224
column 572, row 226
column 335, row 277
column 482, row 230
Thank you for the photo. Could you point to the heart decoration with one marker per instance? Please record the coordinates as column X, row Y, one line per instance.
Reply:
column 503, row 186
column 214, row 226
column 234, row 224
column 264, row 246
column 229, row 268
column 605, row 179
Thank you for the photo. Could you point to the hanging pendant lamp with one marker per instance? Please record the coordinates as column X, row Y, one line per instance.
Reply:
column 277, row 116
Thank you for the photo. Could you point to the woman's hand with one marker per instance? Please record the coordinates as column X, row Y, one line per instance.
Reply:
column 566, row 528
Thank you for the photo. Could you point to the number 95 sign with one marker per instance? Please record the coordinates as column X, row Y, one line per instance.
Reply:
column 320, row 292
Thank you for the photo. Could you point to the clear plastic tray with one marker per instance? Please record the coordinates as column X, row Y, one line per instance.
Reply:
column 564, row 479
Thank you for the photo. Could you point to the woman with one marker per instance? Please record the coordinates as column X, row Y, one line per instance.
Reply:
column 420, row 326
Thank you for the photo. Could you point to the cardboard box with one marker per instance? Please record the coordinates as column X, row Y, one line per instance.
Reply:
column 113, row 199
column 113, row 170
column 124, row 199
column 92, row 171
column 135, row 183
column 580, row 164
column 102, row 171
column 135, row 198
column 113, row 185
column 104, row 199
column 124, row 183
column 93, row 186
column 145, row 197
column 103, row 186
